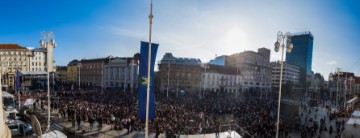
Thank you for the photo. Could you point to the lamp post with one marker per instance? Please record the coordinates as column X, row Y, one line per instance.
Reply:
column 79, row 66
column 293, row 85
column 338, row 73
column 351, row 79
column 102, row 77
column 48, row 41
column 132, row 76
column 262, row 83
column 6, row 65
column 205, row 66
column 281, row 39
column 168, row 80
column 16, row 81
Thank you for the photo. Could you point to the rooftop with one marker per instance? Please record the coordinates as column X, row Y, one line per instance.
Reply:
column 223, row 69
column 168, row 57
column 11, row 46
column 302, row 33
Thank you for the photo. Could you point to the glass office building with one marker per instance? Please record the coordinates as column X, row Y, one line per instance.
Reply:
column 301, row 54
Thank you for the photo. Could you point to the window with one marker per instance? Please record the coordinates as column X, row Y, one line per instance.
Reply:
column 13, row 126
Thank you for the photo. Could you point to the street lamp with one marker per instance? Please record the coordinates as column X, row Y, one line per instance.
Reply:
column 6, row 65
column 262, row 83
column 351, row 79
column 17, row 89
column 132, row 64
column 205, row 66
column 168, row 79
column 281, row 39
column 79, row 66
column 338, row 72
column 47, row 41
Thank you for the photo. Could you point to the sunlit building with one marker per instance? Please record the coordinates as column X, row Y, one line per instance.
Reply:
column 38, row 59
column 222, row 79
column 13, row 57
column 92, row 71
column 179, row 74
column 72, row 70
column 121, row 72
column 255, row 68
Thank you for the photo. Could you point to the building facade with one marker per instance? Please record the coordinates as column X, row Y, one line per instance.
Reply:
column 38, row 59
column 255, row 68
column 301, row 55
column 72, row 70
column 221, row 79
column 341, row 84
column 357, row 85
column 121, row 73
column 219, row 60
column 61, row 74
column 13, row 57
column 179, row 74
column 290, row 74
column 92, row 71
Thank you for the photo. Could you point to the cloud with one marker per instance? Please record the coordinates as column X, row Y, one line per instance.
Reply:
column 332, row 62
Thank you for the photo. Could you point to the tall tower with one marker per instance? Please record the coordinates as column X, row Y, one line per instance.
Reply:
column 302, row 54
column 48, row 41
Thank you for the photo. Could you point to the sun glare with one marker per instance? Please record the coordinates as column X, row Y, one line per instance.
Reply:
column 235, row 40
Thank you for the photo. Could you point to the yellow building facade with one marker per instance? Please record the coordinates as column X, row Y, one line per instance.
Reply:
column 72, row 72
column 13, row 57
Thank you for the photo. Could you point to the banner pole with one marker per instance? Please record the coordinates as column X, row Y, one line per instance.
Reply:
column 148, row 75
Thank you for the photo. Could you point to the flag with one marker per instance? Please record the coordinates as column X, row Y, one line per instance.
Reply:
column 143, row 79
column 17, row 81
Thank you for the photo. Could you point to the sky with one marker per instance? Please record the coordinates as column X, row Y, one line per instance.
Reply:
column 186, row 28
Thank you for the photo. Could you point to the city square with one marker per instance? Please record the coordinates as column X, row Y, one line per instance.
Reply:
column 179, row 69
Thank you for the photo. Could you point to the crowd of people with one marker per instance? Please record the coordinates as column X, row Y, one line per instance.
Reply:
column 183, row 114
column 188, row 113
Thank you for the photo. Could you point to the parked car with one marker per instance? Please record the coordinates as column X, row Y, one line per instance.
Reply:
column 20, row 128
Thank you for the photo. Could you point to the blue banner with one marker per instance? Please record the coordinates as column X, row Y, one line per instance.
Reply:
column 17, row 81
column 143, row 77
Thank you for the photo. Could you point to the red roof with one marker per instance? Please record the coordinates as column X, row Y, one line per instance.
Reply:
column 11, row 46
column 347, row 74
column 357, row 80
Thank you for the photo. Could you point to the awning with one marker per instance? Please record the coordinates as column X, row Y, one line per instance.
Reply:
column 352, row 100
column 33, row 72
column 356, row 114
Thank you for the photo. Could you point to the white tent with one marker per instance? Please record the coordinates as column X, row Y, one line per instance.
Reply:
column 352, row 127
column 230, row 134
column 54, row 134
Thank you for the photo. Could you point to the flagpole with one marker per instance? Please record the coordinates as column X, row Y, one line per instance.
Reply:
column 17, row 87
column 345, row 91
column 148, row 75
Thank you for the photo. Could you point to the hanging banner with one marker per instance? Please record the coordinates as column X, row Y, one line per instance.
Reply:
column 143, row 79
